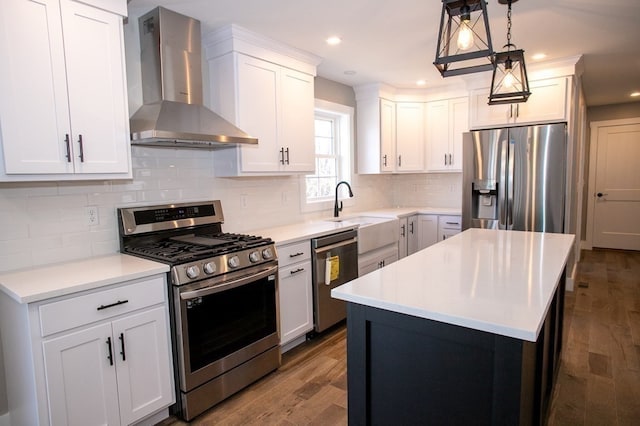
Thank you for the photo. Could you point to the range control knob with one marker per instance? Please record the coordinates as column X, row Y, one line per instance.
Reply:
column 233, row 262
column 267, row 253
column 193, row 271
column 209, row 268
column 254, row 257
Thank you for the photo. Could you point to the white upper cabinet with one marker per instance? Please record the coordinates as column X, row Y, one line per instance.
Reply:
column 266, row 93
column 410, row 136
column 390, row 135
column 446, row 121
column 547, row 102
column 63, row 109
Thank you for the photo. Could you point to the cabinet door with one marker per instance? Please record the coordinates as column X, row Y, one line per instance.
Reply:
column 428, row 230
column 546, row 102
column 258, row 83
column 143, row 361
column 485, row 115
column 94, row 51
column 297, row 121
column 437, row 118
column 296, row 301
column 34, row 110
column 403, row 238
column 458, row 124
column 81, row 380
column 387, row 136
column 413, row 234
column 410, row 136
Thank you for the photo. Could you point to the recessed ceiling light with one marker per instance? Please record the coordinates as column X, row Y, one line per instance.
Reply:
column 538, row 56
column 350, row 72
column 421, row 82
column 635, row 94
column 333, row 40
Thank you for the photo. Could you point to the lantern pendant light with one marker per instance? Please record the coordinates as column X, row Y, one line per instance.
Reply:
column 464, row 40
column 509, row 83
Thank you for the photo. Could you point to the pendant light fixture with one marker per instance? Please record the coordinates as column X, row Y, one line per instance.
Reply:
column 509, row 83
column 464, row 40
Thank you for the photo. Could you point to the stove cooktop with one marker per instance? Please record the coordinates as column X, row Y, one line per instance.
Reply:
column 186, row 248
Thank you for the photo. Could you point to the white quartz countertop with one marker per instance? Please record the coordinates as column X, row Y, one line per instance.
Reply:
column 35, row 284
column 305, row 230
column 501, row 282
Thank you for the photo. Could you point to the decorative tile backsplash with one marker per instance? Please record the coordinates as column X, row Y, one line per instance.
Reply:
column 47, row 222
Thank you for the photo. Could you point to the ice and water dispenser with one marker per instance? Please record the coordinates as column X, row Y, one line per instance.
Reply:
column 484, row 200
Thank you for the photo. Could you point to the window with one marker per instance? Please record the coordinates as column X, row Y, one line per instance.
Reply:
column 333, row 135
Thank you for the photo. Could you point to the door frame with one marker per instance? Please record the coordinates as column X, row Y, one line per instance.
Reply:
column 593, row 149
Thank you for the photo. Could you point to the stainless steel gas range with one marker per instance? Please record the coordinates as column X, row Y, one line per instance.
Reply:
column 224, row 293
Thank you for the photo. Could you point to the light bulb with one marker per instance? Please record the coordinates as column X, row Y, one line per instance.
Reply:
column 465, row 35
column 508, row 79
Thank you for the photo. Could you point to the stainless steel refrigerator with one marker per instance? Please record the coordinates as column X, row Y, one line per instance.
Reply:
column 514, row 178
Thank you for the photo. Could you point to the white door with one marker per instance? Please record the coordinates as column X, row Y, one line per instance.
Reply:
column 81, row 378
column 296, row 301
column 33, row 103
column 387, row 135
column 616, row 207
column 428, row 230
column 410, row 136
column 437, row 116
column 143, row 364
column 97, row 89
column 297, row 121
column 258, row 115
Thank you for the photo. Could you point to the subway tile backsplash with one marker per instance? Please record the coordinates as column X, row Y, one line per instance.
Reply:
column 46, row 222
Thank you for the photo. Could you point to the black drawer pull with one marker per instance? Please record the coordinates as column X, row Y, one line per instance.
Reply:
column 452, row 223
column 119, row 302
column 295, row 271
column 296, row 254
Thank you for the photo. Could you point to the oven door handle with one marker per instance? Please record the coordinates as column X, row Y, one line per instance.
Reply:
column 229, row 285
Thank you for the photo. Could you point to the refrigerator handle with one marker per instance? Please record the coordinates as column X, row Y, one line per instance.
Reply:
column 502, row 196
column 510, row 187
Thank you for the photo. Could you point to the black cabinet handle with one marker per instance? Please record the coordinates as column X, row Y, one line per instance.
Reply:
column 287, row 151
column 411, row 227
column 296, row 254
column 402, row 234
column 68, row 143
column 110, row 357
column 295, row 271
column 122, row 346
column 384, row 160
column 282, row 155
column 452, row 223
column 119, row 302
column 81, row 149
column 399, row 160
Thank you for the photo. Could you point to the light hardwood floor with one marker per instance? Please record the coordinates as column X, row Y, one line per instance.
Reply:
column 598, row 381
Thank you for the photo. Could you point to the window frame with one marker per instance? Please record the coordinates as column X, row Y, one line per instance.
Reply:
column 343, row 117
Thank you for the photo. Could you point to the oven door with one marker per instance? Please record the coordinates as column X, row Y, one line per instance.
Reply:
column 224, row 322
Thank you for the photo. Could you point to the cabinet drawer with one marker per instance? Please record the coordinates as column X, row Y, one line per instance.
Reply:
column 449, row 222
column 293, row 253
column 80, row 310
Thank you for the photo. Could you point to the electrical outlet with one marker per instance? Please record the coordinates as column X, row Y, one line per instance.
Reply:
column 92, row 217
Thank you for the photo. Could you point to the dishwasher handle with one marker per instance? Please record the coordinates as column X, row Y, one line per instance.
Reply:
column 327, row 240
column 330, row 247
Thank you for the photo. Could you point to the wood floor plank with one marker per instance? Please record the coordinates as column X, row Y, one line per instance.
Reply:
column 601, row 401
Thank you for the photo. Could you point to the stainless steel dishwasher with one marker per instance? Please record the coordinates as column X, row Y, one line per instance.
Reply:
column 335, row 262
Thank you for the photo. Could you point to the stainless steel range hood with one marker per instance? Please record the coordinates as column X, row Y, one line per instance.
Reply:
column 173, row 113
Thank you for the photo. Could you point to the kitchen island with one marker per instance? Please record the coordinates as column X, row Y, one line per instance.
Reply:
column 467, row 331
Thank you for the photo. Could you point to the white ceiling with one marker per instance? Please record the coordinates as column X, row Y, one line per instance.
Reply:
column 394, row 42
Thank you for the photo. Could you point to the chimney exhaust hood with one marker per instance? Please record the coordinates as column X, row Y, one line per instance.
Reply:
column 173, row 114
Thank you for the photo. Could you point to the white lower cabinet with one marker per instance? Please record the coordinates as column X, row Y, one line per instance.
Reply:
column 409, row 240
column 295, row 293
column 101, row 357
column 428, row 230
column 448, row 226
column 376, row 259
